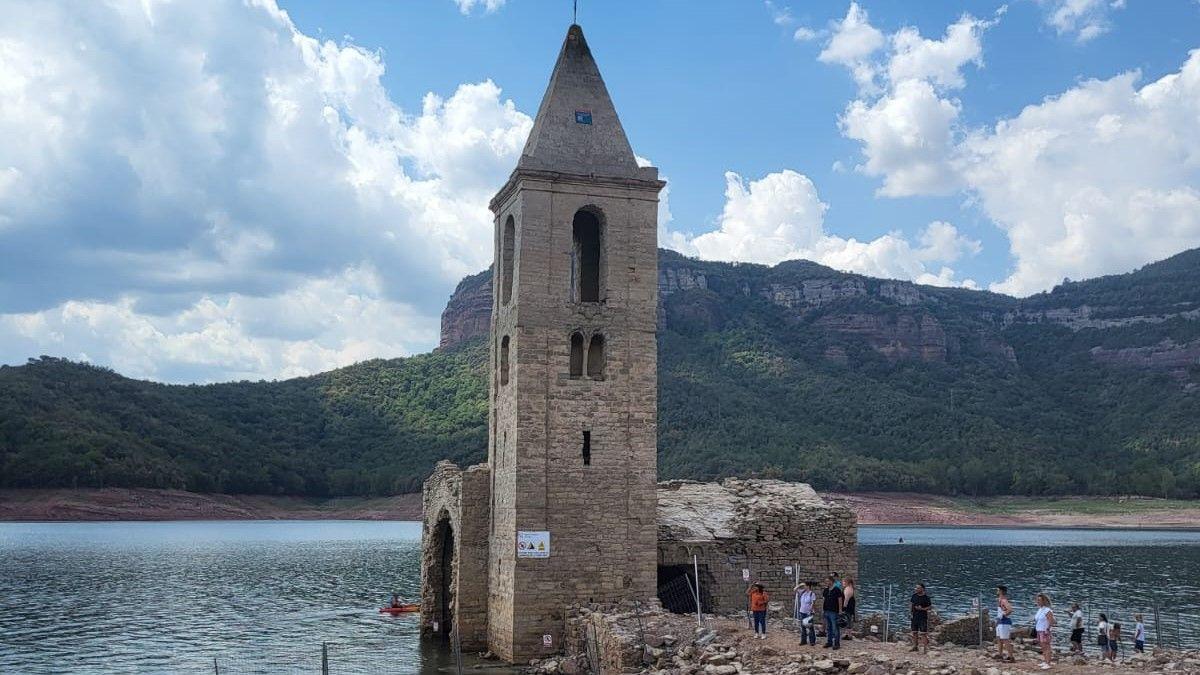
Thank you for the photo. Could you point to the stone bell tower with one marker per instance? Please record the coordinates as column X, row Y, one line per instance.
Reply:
column 573, row 392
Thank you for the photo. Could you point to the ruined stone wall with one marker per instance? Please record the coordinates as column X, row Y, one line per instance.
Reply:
column 600, row 516
column 456, row 501
column 763, row 526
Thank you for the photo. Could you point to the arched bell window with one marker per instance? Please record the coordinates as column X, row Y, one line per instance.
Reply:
column 507, row 250
column 504, row 360
column 576, row 355
column 586, row 256
column 595, row 357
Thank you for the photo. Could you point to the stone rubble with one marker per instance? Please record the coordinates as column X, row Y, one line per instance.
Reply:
column 674, row 645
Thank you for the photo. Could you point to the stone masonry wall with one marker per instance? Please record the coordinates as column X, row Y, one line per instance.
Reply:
column 458, row 499
column 600, row 516
column 763, row 526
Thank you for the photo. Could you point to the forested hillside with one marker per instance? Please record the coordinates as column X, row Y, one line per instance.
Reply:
column 795, row 371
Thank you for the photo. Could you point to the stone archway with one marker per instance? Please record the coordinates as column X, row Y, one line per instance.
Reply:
column 442, row 580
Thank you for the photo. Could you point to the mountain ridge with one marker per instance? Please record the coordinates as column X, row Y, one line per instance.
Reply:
column 796, row 371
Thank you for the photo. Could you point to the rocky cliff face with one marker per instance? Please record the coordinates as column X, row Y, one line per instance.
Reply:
column 898, row 320
column 468, row 314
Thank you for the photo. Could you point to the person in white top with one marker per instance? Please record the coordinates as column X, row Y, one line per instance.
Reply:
column 1076, row 629
column 1004, row 624
column 1044, row 623
column 1139, row 634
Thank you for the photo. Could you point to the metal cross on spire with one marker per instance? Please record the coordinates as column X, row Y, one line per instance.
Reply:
column 575, row 12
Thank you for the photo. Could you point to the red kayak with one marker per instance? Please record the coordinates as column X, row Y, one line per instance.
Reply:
column 402, row 609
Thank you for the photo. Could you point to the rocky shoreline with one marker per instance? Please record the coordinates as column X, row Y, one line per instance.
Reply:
column 653, row 642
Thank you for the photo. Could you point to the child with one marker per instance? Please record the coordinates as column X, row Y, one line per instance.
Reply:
column 1139, row 634
column 1114, row 641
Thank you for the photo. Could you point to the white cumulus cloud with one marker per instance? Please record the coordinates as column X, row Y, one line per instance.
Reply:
column 1098, row 179
column 163, row 158
column 1082, row 19
column 781, row 217
column 904, row 116
column 488, row 6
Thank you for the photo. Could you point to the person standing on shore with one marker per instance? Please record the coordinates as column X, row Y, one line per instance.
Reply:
column 831, row 607
column 1139, row 634
column 851, row 606
column 804, row 613
column 1102, row 634
column 1044, row 623
column 1076, row 629
column 1004, row 624
column 758, row 608
column 1114, row 641
column 920, row 603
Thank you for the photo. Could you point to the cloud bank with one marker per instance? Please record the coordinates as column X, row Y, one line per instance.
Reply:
column 1097, row 179
column 174, row 175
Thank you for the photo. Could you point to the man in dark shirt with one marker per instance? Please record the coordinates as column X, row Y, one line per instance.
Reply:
column 921, row 604
column 832, row 609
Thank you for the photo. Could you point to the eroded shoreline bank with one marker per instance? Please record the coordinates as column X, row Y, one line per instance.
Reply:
column 872, row 508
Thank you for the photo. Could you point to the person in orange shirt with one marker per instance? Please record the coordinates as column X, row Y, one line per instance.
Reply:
column 758, row 607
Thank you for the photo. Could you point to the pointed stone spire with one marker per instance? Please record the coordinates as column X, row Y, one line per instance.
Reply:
column 577, row 129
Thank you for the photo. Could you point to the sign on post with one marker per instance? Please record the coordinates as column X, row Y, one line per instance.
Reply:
column 745, row 574
column 787, row 569
column 547, row 641
column 533, row 544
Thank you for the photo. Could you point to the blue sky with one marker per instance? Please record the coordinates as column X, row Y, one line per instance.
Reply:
column 208, row 191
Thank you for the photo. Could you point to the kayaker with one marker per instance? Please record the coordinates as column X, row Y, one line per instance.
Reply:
column 396, row 602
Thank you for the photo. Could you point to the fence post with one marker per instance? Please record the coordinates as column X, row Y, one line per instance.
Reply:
column 216, row 668
column 324, row 659
column 696, row 571
column 1158, row 633
column 982, row 619
column 887, row 617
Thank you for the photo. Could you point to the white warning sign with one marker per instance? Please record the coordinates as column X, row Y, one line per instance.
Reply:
column 547, row 641
column 745, row 574
column 532, row 544
column 787, row 569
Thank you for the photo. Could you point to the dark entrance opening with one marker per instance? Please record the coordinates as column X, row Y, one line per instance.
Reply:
column 676, row 584
column 443, row 578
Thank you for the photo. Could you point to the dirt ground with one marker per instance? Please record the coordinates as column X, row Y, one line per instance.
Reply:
column 906, row 508
column 146, row 504
column 782, row 649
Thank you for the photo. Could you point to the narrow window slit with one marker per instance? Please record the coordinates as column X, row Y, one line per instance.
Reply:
column 587, row 448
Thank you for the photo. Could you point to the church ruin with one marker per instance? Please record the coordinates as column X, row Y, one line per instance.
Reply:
column 567, row 509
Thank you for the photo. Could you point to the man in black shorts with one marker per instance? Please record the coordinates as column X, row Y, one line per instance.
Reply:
column 921, row 604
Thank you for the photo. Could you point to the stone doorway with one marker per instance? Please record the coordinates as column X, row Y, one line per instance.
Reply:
column 443, row 578
column 675, row 584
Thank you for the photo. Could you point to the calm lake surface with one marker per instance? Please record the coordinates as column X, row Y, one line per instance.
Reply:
column 261, row 597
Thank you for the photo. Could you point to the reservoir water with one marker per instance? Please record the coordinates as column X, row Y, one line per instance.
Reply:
column 262, row 596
